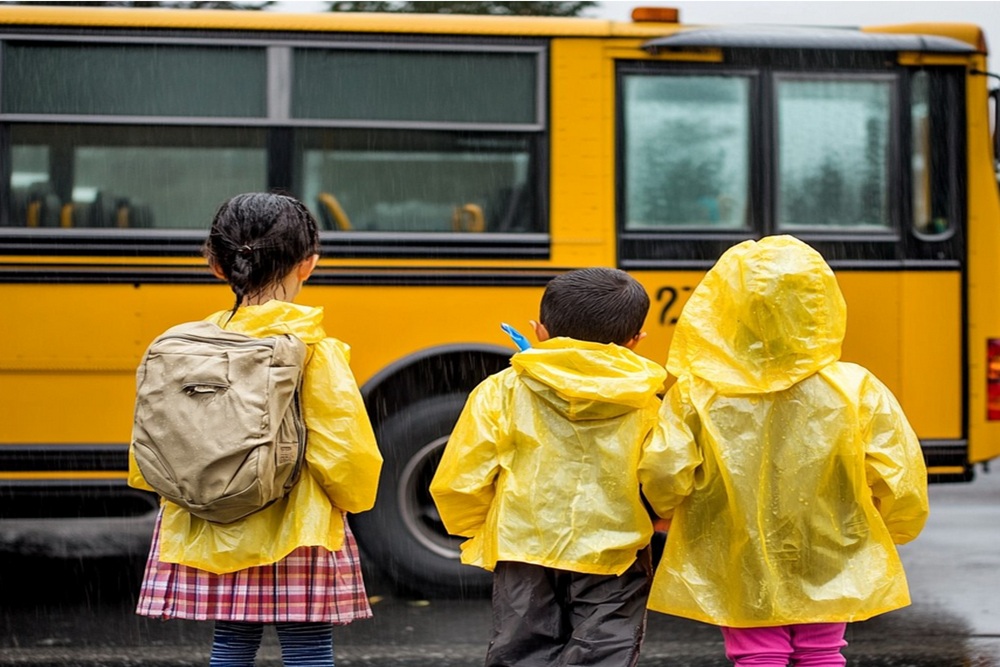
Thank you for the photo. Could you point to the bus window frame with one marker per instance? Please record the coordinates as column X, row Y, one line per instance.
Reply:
column 279, row 48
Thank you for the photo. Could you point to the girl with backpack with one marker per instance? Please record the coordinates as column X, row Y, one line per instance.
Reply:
column 293, row 564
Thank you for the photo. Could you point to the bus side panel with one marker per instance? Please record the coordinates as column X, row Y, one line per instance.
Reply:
column 874, row 324
column 386, row 323
column 982, row 242
column 931, row 363
column 582, row 161
column 67, row 365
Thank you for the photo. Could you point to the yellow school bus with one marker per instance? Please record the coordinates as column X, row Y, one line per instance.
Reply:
column 456, row 164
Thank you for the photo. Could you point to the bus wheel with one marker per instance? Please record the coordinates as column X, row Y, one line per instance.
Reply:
column 403, row 533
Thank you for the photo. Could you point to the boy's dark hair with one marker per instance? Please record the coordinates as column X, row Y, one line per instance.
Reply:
column 599, row 305
column 257, row 238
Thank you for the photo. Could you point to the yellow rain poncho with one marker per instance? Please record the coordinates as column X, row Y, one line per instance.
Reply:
column 789, row 473
column 542, row 465
column 340, row 474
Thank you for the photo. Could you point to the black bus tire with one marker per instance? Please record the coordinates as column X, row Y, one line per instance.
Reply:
column 403, row 533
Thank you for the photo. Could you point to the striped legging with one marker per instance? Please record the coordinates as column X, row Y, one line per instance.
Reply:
column 302, row 644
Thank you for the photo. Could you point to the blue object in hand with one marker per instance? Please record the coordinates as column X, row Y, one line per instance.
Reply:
column 515, row 335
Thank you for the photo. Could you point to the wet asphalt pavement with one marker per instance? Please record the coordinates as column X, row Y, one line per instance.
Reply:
column 73, row 614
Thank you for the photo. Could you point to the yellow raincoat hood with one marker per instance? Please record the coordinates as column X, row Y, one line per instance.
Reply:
column 542, row 465
column 342, row 461
column 576, row 379
column 769, row 314
column 790, row 475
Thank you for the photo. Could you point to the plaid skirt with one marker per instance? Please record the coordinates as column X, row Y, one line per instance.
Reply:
column 310, row 585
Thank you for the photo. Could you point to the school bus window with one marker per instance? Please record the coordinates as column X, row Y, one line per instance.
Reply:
column 32, row 163
column 31, row 203
column 129, row 176
column 409, row 181
column 920, row 157
column 686, row 151
column 133, row 80
column 934, row 150
column 833, row 147
column 415, row 86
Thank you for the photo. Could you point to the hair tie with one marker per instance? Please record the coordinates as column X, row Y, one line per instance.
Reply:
column 245, row 250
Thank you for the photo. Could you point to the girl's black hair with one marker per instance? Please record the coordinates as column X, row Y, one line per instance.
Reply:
column 257, row 238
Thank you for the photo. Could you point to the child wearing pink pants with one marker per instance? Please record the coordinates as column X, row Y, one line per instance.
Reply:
column 788, row 475
column 804, row 645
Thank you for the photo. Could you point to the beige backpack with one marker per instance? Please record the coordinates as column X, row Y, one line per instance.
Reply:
column 218, row 424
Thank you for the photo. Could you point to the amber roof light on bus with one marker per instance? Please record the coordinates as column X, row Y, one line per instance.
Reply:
column 656, row 15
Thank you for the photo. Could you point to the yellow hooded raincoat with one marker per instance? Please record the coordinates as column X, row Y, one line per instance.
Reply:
column 792, row 473
column 342, row 461
column 542, row 465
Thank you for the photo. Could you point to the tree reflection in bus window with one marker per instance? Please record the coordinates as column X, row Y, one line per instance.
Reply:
column 391, row 181
column 687, row 146
column 833, row 152
column 131, row 177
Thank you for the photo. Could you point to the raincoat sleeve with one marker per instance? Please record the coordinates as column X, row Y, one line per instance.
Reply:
column 671, row 455
column 341, row 451
column 894, row 463
column 464, row 484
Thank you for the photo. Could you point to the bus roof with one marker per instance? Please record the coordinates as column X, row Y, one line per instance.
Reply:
column 796, row 37
column 430, row 24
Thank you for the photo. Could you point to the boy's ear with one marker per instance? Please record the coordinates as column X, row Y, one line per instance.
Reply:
column 635, row 340
column 541, row 333
column 306, row 267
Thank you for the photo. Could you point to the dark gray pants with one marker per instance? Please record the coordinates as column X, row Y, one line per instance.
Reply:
column 543, row 616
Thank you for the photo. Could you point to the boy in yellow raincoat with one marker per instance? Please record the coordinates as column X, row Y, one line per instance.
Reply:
column 541, row 474
column 790, row 474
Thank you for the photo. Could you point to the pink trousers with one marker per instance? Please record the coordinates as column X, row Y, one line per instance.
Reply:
column 806, row 645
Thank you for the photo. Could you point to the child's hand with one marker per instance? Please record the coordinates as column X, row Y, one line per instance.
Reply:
column 515, row 335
